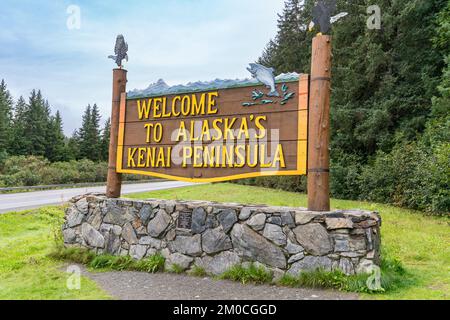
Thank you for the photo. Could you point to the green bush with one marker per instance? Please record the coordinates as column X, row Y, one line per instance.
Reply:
column 17, row 171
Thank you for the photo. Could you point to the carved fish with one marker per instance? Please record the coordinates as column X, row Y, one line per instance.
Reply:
column 266, row 76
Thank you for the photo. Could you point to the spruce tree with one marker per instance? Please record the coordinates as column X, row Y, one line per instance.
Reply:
column 89, row 135
column 6, row 104
column 105, row 140
column 19, row 143
column 36, row 125
column 56, row 147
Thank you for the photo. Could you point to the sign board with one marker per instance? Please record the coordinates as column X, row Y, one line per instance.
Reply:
column 216, row 135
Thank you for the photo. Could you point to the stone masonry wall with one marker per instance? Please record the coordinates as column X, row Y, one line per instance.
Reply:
column 217, row 236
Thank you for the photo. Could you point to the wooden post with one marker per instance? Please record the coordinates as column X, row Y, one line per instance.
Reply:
column 114, row 184
column 319, row 125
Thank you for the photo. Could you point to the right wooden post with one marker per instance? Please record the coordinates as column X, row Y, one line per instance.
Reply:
column 319, row 125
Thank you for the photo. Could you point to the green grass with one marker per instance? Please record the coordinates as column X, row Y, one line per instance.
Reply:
column 105, row 262
column 420, row 242
column 26, row 270
column 251, row 274
column 30, row 268
column 197, row 271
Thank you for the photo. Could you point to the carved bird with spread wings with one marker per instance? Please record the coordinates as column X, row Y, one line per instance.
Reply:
column 322, row 12
column 120, row 51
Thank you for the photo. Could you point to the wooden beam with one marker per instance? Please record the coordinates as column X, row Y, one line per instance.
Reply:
column 319, row 125
column 114, row 182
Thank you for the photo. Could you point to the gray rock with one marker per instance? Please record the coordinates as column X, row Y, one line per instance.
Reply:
column 338, row 223
column 158, row 224
column 128, row 234
column 146, row 213
column 310, row 263
column 74, row 217
column 304, row 217
column 198, row 220
column 275, row 233
column 341, row 243
column 293, row 248
column 152, row 242
column 365, row 266
column 138, row 251
column 245, row 213
column 227, row 219
column 95, row 220
column 112, row 244
column 215, row 240
column 257, row 222
column 357, row 243
column 211, row 222
column 277, row 274
column 314, row 238
column 187, row 245
column 275, row 220
column 252, row 245
column 170, row 207
column 346, row 266
column 219, row 263
column 115, row 215
column 69, row 236
column 92, row 237
column 295, row 258
column 287, row 219
column 83, row 206
column 178, row 259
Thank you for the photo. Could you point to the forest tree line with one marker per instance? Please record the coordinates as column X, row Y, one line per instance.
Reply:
column 390, row 130
column 27, row 128
column 35, row 151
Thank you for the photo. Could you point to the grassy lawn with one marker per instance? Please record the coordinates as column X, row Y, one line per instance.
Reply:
column 420, row 242
column 26, row 271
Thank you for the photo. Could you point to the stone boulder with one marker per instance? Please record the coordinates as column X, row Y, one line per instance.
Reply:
column 92, row 237
column 215, row 240
column 252, row 245
column 158, row 224
column 314, row 238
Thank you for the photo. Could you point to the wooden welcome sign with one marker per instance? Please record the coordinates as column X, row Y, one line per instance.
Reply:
column 227, row 133
column 216, row 135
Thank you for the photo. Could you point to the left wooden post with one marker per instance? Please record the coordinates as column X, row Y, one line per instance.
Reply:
column 114, row 181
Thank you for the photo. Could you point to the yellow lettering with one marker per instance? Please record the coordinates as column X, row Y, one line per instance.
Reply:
column 144, row 108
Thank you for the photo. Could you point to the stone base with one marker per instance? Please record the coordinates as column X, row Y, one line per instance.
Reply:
column 217, row 236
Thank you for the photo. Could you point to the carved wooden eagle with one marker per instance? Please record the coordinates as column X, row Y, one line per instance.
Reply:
column 120, row 51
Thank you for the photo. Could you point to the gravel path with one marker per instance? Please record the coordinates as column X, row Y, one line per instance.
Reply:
column 128, row 285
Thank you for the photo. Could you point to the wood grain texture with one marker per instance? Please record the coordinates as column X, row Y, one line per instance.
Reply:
column 289, row 119
column 319, row 125
column 114, row 179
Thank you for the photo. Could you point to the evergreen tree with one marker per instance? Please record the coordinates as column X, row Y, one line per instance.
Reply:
column 19, row 143
column 6, row 104
column 105, row 140
column 56, row 148
column 37, row 120
column 89, row 134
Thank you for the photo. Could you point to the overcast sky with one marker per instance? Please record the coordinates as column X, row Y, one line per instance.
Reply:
column 177, row 40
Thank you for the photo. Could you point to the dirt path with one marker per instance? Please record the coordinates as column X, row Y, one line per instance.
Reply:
column 128, row 285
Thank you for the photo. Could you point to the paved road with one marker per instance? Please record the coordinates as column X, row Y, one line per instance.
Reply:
column 31, row 200
column 127, row 285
